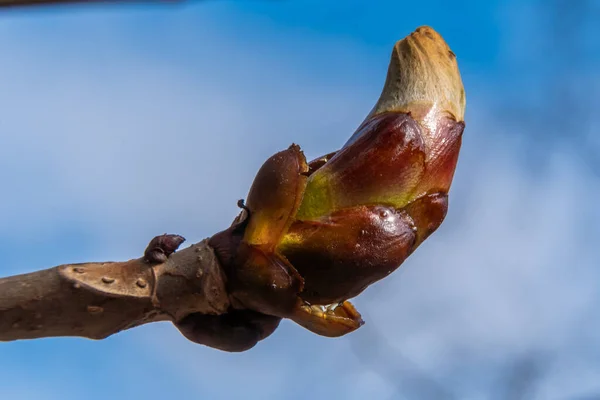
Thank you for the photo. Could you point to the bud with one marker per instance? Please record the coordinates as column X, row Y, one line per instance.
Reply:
column 318, row 234
column 409, row 143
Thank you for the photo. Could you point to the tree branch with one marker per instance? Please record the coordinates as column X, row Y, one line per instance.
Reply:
column 400, row 161
column 96, row 300
column 29, row 3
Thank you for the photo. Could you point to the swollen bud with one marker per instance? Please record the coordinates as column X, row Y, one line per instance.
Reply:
column 315, row 234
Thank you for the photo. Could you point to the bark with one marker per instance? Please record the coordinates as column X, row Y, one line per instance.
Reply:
column 95, row 300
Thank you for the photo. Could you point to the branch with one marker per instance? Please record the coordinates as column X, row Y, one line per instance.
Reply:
column 95, row 300
column 310, row 236
column 34, row 3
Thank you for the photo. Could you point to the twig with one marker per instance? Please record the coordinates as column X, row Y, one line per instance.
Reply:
column 96, row 300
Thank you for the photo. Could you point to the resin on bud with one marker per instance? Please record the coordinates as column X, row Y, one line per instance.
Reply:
column 316, row 234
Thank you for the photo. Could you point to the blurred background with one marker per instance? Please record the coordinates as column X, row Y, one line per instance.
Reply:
column 119, row 123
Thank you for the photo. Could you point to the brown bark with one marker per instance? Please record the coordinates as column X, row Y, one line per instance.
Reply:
column 96, row 300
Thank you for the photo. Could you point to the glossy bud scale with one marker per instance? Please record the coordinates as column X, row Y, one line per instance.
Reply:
column 316, row 234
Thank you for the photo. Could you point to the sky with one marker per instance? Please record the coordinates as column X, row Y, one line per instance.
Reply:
column 124, row 122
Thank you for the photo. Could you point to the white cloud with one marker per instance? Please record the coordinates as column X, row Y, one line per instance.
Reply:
column 130, row 144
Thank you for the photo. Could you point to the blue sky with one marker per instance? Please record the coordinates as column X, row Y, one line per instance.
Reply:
column 102, row 103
